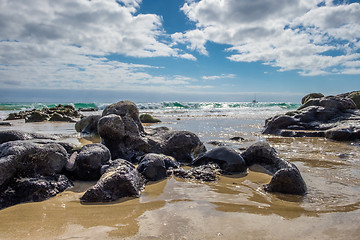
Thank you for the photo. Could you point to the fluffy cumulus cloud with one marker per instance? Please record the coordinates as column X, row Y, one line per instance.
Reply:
column 45, row 43
column 312, row 37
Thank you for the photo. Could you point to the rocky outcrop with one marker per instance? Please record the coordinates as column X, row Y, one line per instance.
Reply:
column 286, row 176
column 122, row 132
column 319, row 117
column 63, row 113
column 226, row 158
column 13, row 135
column 119, row 179
column 31, row 171
column 147, row 118
column 154, row 166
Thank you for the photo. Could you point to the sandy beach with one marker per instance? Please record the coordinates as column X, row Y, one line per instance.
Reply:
column 234, row 207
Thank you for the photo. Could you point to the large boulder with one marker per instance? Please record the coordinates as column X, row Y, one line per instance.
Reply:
column 88, row 125
column 89, row 161
column 37, row 116
column 286, row 176
column 125, row 109
column 311, row 96
column 120, row 179
column 227, row 158
column 30, row 171
column 154, row 166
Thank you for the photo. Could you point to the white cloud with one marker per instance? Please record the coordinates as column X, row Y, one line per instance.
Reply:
column 63, row 44
column 222, row 76
column 311, row 36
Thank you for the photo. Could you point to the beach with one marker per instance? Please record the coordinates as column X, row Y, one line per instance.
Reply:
column 234, row 207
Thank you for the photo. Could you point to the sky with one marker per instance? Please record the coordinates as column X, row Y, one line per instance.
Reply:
column 188, row 50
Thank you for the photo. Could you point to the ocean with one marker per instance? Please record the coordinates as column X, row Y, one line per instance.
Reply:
column 234, row 207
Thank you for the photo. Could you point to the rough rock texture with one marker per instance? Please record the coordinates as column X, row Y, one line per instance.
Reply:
column 154, row 166
column 311, row 96
column 14, row 135
column 227, row 158
column 286, row 176
column 62, row 113
column 205, row 173
column 89, row 161
column 125, row 109
column 88, row 125
column 30, row 171
column 32, row 189
column 316, row 117
column 119, row 179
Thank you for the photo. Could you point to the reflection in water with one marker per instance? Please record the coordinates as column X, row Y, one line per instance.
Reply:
column 235, row 207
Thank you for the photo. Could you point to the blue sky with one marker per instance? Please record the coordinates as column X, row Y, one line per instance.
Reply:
column 195, row 50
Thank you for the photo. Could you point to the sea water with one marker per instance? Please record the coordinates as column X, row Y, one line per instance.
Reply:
column 234, row 207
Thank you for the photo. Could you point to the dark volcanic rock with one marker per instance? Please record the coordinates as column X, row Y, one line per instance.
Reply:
column 89, row 161
column 88, row 125
column 339, row 133
column 311, row 96
column 37, row 116
column 206, row 173
column 120, row 179
column 30, row 171
column 32, row 189
column 227, row 158
column 14, row 135
column 154, row 166
column 125, row 109
column 316, row 116
column 286, row 177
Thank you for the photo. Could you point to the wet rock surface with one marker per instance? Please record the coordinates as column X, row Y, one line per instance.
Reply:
column 154, row 166
column 286, row 176
column 119, row 179
column 226, row 158
column 335, row 117
column 88, row 125
column 206, row 173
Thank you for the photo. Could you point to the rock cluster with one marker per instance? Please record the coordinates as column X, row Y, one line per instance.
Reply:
column 63, row 113
column 334, row 117
column 34, row 168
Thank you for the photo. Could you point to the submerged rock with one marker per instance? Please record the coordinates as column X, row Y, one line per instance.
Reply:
column 286, row 176
column 226, row 158
column 154, row 166
column 14, row 135
column 147, row 118
column 119, row 179
column 206, row 173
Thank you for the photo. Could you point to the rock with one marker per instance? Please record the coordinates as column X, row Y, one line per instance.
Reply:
column 311, row 96
column 30, row 171
column 154, row 166
column 120, row 179
column 287, row 181
column 184, row 146
column 13, row 135
column 147, row 118
column 340, row 133
column 286, row 177
column 205, row 173
column 32, row 189
column 216, row 143
column 125, row 108
column 89, row 161
column 5, row 124
column 57, row 117
column 355, row 96
column 88, row 125
column 315, row 117
column 226, row 158
column 237, row 139
column 37, row 116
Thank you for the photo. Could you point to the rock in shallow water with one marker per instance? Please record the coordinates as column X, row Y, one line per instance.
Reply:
column 119, row 179
column 206, row 173
column 227, row 158
column 154, row 166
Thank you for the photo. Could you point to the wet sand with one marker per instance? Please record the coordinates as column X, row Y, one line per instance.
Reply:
column 235, row 207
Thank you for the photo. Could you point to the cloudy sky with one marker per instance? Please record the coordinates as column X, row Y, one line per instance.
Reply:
column 226, row 49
